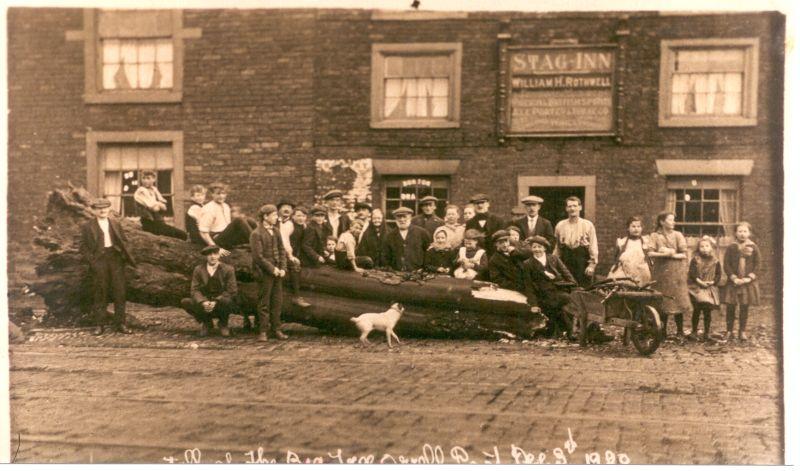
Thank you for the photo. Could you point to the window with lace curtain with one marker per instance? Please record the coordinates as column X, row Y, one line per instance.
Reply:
column 705, row 207
column 416, row 85
column 711, row 82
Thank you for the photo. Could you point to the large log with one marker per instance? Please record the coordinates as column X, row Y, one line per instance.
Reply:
column 439, row 307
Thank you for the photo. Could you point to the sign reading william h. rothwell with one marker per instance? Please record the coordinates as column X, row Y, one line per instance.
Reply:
column 562, row 90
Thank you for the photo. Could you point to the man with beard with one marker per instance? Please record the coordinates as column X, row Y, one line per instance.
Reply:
column 405, row 246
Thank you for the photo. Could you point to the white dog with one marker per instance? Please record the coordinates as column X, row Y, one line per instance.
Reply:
column 384, row 321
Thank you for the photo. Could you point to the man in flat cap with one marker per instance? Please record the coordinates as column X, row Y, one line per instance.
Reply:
column 287, row 228
column 532, row 224
column 214, row 292
column 404, row 247
column 542, row 274
column 269, row 267
column 428, row 220
column 505, row 265
column 336, row 222
column 314, row 238
column 484, row 222
column 103, row 246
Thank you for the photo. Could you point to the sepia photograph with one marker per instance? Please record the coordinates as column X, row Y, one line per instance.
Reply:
column 396, row 232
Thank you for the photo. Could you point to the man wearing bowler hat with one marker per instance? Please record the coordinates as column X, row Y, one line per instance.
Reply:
column 213, row 293
column 103, row 246
column 484, row 222
column 532, row 224
column 335, row 222
column 428, row 220
column 405, row 246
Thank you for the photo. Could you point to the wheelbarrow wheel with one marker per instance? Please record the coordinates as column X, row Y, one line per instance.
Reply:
column 647, row 337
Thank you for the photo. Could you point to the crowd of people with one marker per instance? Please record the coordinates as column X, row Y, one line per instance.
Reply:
column 525, row 254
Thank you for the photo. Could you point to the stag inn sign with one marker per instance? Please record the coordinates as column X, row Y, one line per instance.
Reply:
column 561, row 90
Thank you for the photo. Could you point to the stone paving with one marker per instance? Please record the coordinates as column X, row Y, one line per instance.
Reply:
column 164, row 395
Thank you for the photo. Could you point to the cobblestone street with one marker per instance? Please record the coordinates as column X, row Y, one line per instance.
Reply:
column 78, row 398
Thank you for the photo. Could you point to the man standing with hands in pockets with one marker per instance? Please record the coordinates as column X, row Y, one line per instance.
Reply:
column 269, row 266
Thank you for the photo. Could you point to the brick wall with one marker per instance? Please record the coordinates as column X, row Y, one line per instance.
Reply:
column 267, row 92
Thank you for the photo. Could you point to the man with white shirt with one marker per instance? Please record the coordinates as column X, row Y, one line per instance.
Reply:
column 484, row 222
column 576, row 243
column 214, row 292
column 217, row 226
column 151, row 206
column 104, row 247
column 404, row 247
column 287, row 228
column 335, row 221
column 532, row 224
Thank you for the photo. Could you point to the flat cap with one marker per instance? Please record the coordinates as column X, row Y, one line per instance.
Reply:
column 301, row 208
column 428, row 199
column 532, row 199
column 502, row 234
column 209, row 249
column 473, row 234
column 285, row 201
column 332, row 194
column 318, row 210
column 100, row 203
column 538, row 240
column 478, row 198
column 402, row 210
column 266, row 209
column 362, row 205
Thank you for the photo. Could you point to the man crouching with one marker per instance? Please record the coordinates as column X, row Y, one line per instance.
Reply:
column 213, row 293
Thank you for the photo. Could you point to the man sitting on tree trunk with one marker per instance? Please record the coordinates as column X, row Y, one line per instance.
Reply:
column 217, row 226
column 104, row 247
column 151, row 206
column 213, row 292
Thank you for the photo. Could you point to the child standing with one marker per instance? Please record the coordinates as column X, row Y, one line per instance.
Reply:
column 630, row 254
column 741, row 262
column 471, row 261
column 705, row 273
column 668, row 252
column 439, row 257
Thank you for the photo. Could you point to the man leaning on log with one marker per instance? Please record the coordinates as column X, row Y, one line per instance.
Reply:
column 213, row 293
column 104, row 247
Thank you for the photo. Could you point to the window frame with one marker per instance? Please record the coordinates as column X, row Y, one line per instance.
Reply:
column 387, row 180
column 749, row 83
column 95, row 176
column 379, row 54
column 706, row 183
column 93, row 65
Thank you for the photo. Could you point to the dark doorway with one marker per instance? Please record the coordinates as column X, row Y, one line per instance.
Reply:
column 554, row 197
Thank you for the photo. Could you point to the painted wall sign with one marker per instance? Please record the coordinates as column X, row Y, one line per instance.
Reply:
column 561, row 89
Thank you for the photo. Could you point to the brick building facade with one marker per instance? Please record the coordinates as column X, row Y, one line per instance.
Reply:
column 394, row 105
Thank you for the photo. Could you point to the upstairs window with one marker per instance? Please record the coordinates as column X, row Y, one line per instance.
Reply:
column 416, row 85
column 708, row 82
column 137, row 64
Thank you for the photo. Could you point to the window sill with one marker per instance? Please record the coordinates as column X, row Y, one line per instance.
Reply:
column 414, row 124
column 704, row 122
column 139, row 96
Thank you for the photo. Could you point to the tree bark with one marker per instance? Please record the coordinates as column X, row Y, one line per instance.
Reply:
column 440, row 307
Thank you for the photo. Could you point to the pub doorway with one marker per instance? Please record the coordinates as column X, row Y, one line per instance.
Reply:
column 554, row 197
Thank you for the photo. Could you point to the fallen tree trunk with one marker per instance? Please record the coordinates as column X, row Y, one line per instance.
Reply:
column 440, row 307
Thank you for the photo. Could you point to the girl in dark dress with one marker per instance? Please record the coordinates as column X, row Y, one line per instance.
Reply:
column 741, row 262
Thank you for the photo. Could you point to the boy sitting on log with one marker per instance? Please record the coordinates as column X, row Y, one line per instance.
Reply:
column 213, row 292
column 217, row 226
column 313, row 245
column 197, row 198
column 151, row 206
column 345, row 252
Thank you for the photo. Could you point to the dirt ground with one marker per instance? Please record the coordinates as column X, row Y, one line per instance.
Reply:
column 165, row 395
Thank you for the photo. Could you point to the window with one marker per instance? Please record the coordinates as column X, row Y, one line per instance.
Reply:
column 711, row 82
column 115, row 161
column 122, row 167
column 133, row 56
column 705, row 207
column 408, row 190
column 416, row 85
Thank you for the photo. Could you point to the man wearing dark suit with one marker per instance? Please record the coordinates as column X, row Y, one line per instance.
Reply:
column 405, row 246
column 428, row 220
column 542, row 273
column 484, row 222
column 103, row 246
column 291, row 234
column 336, row 222
column 269, row 267
column 505, row 266
column 213, row 292
column 314, row 237
column 532, row 224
